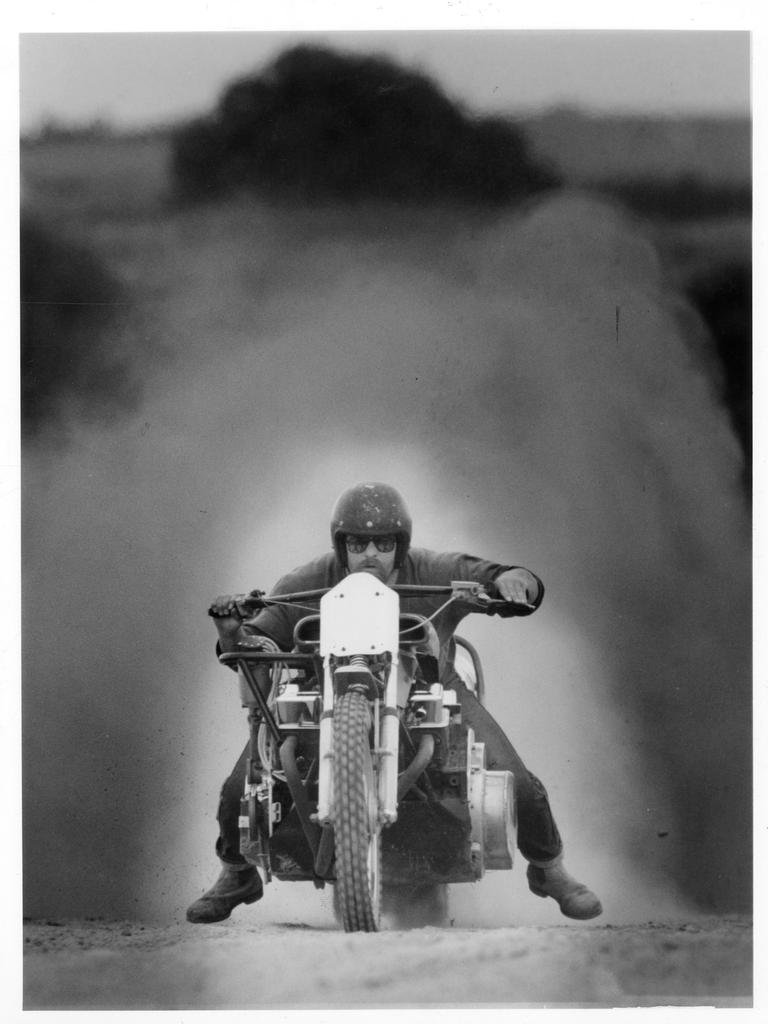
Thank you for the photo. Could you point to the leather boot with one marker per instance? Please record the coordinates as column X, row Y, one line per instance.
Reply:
column 235, row 885
column 549, row 878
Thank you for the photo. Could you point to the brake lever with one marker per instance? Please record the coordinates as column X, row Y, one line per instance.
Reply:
column 508, row 609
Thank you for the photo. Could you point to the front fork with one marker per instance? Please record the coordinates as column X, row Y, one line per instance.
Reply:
column 385, row 740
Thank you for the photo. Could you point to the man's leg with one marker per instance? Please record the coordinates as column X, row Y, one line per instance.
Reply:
column 538, row 838
column 228, row 814
column 537, row 834
column 239, row 882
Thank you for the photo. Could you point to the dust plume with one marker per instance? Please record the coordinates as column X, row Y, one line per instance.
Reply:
column 525, row 381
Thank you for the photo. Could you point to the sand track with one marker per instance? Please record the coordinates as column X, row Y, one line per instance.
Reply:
column 114, row 965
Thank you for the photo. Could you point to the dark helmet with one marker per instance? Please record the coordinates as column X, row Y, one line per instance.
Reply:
column 369, row 510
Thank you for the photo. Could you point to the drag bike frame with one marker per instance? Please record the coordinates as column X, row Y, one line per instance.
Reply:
column 352, row 733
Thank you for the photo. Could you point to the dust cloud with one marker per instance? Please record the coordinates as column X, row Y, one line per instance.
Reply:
column 525, row 381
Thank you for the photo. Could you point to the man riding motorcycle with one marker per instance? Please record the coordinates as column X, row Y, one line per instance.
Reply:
column 371, row 532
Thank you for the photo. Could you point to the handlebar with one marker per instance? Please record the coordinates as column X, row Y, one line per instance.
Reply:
column 466, row 591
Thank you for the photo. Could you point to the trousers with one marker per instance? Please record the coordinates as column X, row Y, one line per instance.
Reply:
column 538, row 838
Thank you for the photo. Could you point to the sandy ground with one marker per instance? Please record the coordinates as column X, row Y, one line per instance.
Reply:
column 236, row 965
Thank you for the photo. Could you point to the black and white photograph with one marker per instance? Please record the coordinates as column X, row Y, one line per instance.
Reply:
column 385, row 428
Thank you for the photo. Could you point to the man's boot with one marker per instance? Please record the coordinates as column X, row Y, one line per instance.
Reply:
column 549, row 878
column 237, row 883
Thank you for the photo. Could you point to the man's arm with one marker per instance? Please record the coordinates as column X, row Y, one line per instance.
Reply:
column 513, row 582
column 275, row 623
column 232, row 628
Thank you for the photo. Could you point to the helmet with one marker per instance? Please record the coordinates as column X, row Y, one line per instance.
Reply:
column 370, row 510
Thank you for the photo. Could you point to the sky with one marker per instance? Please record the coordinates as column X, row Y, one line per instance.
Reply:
column 133, row 79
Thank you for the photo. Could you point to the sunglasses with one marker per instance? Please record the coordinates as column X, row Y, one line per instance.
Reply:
column 357, row 545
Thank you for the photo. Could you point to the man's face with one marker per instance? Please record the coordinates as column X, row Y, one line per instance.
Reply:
column 365, row 554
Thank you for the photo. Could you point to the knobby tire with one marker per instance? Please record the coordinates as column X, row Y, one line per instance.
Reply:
column 357, row 831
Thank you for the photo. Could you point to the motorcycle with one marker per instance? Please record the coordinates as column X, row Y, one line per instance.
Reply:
column 360, row 771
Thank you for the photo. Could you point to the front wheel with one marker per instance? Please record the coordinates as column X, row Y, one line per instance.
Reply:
column 356, row 826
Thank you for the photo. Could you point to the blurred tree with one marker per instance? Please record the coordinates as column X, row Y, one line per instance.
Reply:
column 723, row 296
column 318, row 124
column 68, row 300
column 687, row 197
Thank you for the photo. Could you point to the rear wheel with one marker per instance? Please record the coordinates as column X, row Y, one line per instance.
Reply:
column 356, row 826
